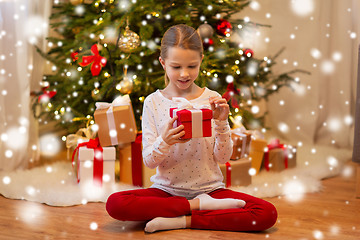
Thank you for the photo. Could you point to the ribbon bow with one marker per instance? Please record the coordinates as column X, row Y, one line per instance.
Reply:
column 273, row 145
column 183, row 103
column 96, row 60
column 98, row 159
column 229, row 95
column 119, row 101
column 82, row 135
column 45, row 97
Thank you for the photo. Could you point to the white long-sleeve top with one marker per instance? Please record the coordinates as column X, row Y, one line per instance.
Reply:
column 183, row 169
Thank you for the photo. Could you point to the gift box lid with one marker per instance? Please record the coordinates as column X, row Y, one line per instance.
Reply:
column 185, row 114
column 85, row 153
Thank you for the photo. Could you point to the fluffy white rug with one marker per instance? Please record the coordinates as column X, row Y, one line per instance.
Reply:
column 56, row 184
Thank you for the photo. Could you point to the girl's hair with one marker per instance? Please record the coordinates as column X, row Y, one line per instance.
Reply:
column 182, row 36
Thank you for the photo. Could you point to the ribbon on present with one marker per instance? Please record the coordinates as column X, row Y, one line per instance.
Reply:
column 196, row 114
column 119, row 101
column 98, row 160
column 274, row 144
column 228, row 174
column 82, row 135
column 136, row 161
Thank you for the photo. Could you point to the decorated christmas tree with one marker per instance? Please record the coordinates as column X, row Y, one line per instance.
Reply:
column 107, row 48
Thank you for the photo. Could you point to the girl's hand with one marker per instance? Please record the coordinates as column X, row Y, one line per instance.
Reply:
column 220, row 108
column 172, row 135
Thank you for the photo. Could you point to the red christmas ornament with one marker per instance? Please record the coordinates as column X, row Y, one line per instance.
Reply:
column 45, row 97
column 97, row 61
column 230, row 94
column 248, row 52
column 207, row 43
column 74, row 56
column 223, row 27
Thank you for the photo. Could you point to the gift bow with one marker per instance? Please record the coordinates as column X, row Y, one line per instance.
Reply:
column 274, row 144
column 97, row 61
column 98, row 159
column 183, row 103
column 119, row 101
column 82, row 135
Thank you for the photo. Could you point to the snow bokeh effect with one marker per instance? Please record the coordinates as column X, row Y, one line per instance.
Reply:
column 292, row 185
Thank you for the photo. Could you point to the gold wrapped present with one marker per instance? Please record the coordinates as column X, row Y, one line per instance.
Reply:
column 236, row 173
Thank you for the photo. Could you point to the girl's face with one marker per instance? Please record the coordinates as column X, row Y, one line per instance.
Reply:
column 182, row 66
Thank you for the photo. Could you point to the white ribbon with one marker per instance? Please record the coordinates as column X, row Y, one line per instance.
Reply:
column 119, row 101
column 183, row 103
column 196, row 114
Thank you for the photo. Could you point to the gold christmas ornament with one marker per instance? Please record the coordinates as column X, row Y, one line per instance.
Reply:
column 95, row 94
column 126, row 85
column 205, row 31
column 76, row 2
column 129, row 40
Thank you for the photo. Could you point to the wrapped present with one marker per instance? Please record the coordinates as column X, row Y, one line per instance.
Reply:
column 279, row 156
column 116, row 121
column 236, row 173
column 257, row 150
column 241, row 144
column 132, row 169
column 196, row 119
column 94, row 163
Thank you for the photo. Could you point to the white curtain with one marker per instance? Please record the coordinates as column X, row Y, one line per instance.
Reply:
column 319, row 36
column 20, row 72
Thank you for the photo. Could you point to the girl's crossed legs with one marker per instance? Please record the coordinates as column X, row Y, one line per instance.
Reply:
column 151, row 203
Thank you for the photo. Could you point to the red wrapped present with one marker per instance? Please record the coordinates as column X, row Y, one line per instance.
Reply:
column 278, row 156
column 94, row 163
column 196, row 119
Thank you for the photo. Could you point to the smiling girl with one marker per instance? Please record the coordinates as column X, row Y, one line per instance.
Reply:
column 188, row 191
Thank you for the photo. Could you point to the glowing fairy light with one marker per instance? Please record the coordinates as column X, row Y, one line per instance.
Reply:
column 79, row 10
column 229, row 79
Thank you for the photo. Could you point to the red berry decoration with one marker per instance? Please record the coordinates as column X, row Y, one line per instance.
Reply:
column 223, row 27
column 207, row 43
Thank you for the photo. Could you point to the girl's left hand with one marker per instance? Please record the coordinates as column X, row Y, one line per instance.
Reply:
column 220, row 108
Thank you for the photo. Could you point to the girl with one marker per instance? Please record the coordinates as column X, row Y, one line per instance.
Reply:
column 188, row 191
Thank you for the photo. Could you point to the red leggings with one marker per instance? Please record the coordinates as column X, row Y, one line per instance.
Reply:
column 146, row 204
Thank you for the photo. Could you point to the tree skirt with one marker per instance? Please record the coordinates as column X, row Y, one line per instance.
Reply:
column 56, row 184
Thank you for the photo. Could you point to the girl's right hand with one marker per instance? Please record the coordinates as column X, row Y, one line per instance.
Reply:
column 172, row 135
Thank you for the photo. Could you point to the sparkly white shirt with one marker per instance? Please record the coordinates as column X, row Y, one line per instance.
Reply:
column 183, row 169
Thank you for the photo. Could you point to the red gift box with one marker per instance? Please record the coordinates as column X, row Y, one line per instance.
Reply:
column 197, row 122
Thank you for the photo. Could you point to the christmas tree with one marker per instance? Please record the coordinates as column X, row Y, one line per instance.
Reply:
column 107, row 48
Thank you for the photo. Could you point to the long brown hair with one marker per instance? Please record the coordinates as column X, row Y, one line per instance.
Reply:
column 182, row 36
